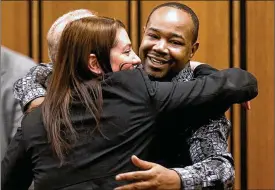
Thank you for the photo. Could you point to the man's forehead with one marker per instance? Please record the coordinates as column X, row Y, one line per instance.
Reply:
column 170, row 20
column 171, row 16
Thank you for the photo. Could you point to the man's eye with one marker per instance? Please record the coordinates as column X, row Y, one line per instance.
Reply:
column 176, row 42
column 153, row 36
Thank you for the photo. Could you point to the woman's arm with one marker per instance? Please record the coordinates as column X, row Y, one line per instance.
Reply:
column 16, row 171
column 214, row 93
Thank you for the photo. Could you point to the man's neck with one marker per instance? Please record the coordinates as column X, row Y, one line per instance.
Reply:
column 170, row 75
column 187, row 64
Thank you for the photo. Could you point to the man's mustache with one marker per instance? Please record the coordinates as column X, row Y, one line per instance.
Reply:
column 160, row 57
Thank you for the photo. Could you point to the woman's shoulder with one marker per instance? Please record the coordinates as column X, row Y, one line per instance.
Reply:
column 32, row 122
column 32, row 115
column 134, row 78
column 136, row 81
column 127, row 74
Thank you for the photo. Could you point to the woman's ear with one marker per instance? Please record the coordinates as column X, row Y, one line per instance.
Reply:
column 93, row 64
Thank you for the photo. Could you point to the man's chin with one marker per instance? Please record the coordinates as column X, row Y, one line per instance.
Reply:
column 154, row 74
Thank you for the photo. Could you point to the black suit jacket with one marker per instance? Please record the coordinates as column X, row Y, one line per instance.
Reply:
column 131, row 105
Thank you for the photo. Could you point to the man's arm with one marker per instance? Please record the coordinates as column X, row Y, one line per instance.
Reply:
column 152, row 176
column 33, row 85
column 213, row 165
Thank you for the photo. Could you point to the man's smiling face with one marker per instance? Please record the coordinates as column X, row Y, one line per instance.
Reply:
column 167, row 43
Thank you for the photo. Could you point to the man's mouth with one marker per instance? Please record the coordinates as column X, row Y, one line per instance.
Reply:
column 158, row 61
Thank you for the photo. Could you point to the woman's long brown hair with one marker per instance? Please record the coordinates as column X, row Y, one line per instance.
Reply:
column 79, row 39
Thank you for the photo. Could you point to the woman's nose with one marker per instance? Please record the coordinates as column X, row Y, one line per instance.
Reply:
column 136, row 60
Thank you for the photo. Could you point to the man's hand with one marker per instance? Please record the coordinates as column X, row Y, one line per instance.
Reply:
column 246, row 105
column 154, row 177
column 35, row 103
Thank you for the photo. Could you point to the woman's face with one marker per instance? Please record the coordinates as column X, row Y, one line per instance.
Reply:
column 122, row 56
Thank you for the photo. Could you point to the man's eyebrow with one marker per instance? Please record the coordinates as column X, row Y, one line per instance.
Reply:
column 154, row 29
column 172, row 33
column 177, row 36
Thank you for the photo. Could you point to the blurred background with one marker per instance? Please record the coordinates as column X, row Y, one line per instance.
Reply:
column 232, row 34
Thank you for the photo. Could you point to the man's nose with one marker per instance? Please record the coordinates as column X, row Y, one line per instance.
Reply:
column 161, row 47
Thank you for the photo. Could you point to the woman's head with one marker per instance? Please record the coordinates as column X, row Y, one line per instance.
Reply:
column 88, row 48
column 122, row 56
column 94, row 46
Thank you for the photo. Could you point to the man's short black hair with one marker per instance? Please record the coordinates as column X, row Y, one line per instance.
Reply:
column 184, row 8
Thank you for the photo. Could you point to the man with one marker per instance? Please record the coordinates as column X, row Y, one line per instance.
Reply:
column 168, row 64
column 13, row 67
column 169, row 42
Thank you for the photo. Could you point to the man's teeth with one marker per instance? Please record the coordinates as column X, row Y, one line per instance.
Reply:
column 156, row 61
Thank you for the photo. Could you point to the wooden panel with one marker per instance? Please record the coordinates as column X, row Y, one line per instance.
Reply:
column 14, row 18
column 134, row 25
column 35, row 31
column 213, row 34
column 260, row 59
column 54, row 9
column 237, row 148
column 236, row 116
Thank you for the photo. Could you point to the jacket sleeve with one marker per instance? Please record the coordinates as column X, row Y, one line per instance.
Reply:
column 213, row 93
column 33, row 85
column 207, row 70
column 16, row 170
column 213, row 164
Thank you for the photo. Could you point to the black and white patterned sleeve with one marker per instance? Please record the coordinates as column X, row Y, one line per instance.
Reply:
column 213, row 166
column 33, row 85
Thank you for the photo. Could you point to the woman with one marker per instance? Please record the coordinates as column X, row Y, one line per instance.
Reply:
column 94, row 117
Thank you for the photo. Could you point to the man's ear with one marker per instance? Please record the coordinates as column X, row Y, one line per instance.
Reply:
column 93, row 64
column 195, row 47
